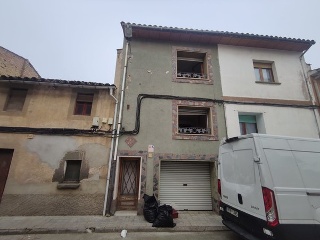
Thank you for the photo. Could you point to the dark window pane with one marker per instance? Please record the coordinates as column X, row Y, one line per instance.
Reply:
column 83, row 104
column 193, row 120
column 72, row 173
column 191, row 64
column 88, row 109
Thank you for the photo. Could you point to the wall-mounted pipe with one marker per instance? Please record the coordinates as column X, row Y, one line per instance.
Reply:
column 111, row 152
column 120, row 117
column 305, row 76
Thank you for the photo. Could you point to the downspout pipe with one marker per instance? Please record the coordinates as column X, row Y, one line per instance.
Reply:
column 308, row 88
column 111, row 151
column 121, row 100
column 120, row 117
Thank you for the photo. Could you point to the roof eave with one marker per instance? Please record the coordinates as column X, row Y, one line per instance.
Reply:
column 216, row 37
column 56, row 82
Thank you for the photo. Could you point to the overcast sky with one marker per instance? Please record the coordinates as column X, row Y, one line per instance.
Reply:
column 77, row 39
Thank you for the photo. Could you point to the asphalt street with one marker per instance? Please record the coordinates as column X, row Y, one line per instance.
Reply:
column 218, row 235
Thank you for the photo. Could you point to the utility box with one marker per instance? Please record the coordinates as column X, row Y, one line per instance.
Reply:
column 110, row 121
column 95, row 122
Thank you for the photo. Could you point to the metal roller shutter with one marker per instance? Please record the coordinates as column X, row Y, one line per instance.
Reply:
column 185, row 185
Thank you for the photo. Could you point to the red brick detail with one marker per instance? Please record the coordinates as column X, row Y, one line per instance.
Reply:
column 209, row 79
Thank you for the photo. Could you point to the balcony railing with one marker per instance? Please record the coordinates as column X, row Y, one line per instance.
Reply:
column 191, row 75
column 194, row 130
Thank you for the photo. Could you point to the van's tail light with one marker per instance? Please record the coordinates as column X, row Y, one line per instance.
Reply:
column 270, row 207
column 219, row 187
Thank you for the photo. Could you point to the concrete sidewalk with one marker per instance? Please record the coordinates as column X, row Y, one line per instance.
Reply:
column 187, row 222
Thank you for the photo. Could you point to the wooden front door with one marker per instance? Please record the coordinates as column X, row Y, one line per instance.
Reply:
column 5, row 161
column 128, row 184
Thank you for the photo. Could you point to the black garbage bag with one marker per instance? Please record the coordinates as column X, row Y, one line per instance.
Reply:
column 150, row 208
column 164, row 218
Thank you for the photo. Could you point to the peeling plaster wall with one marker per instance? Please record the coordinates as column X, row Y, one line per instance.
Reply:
column 30, row 187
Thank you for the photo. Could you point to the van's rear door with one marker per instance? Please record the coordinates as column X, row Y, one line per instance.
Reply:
column 307, row 155
column 240, row 178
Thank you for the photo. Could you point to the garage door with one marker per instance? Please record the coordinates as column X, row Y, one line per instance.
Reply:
column 185, row 185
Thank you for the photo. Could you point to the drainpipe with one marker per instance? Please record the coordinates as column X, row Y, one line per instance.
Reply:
column 309, row 92
column 120, row 114
column 111, row 151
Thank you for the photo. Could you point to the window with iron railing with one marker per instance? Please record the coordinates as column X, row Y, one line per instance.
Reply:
column 193, row 120
column 191, row 65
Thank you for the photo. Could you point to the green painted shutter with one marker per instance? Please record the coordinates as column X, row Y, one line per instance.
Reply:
column 247, row 119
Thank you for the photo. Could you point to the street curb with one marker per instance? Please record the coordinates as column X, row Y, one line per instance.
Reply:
column 106, row 230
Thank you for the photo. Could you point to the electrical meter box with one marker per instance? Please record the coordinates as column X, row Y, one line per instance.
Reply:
column 95, row 122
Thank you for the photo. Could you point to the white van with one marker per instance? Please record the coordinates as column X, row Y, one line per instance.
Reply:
column 270, row 187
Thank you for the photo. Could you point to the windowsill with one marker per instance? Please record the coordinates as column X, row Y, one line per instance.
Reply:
column 274, row 83
column 190, row 78
column 193, row 80
column 12, row 113
column 68, row 185
column 195, row 137
column 190, row 134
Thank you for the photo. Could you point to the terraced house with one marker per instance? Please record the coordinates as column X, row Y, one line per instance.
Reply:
column 54, row 146
column 182, row 90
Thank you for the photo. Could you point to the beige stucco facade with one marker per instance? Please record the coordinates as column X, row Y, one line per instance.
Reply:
column 51, row 136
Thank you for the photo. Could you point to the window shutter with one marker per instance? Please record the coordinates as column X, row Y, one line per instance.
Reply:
column 84, row 97
column 247, row 119
column 193, row 111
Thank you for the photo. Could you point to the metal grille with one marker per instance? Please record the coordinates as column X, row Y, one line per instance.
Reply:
column 129, row 178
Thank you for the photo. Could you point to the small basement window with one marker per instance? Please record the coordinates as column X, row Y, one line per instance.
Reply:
column 72, row 173
column 194, row 120
column 191, row 65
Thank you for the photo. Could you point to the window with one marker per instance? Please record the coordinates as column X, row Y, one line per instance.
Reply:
column 248, row 124
column 72, row 173
column 263, row 72
column 193, row 120
column 191, row 65
column 16, row 99
column 83, row 104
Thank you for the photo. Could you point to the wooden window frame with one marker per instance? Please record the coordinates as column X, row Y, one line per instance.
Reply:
column 260, row 66
column 83, row 104
column 243, row 124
